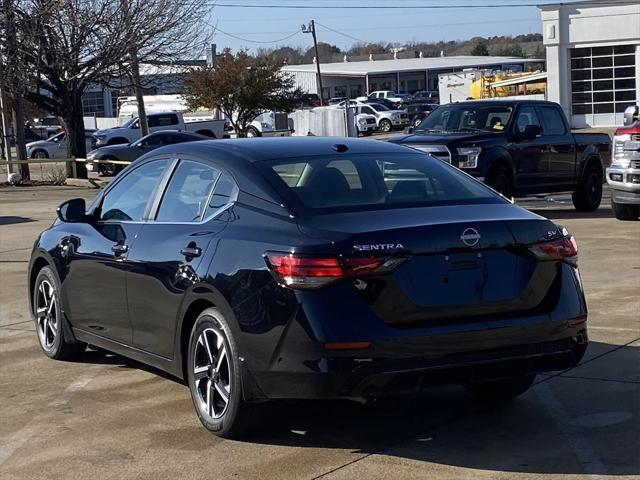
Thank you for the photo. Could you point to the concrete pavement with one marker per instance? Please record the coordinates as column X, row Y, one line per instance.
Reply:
column 105, row 417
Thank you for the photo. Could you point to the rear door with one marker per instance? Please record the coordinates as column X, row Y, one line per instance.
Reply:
column 559, row 148
column 172, row 250
column 528, row 155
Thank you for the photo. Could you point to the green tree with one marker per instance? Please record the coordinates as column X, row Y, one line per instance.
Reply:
column 481, row 49
column 514, row 50
column 241, row 88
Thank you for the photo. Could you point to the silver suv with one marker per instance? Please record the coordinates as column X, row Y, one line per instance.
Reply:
column 623, row 176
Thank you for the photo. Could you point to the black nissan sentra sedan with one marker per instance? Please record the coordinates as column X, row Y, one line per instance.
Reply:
column 308, row 268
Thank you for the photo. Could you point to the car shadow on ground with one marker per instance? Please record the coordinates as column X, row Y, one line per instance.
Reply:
column 12, row 220
column 545, row 431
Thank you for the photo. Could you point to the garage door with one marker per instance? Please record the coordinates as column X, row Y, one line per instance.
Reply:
column 603, row 84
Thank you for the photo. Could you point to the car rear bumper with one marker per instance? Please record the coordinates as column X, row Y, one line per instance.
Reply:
column 362, row 375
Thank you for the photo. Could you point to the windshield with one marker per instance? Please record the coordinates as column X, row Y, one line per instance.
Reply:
column 129, row 122
column 56, row 138
column 467, row 118
column 372, row 182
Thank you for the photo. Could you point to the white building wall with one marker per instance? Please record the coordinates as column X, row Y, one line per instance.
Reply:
column 582, row 25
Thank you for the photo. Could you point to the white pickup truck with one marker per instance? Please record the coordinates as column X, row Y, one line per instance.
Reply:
column 130, row 131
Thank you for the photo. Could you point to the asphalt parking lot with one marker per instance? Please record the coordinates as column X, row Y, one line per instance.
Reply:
column 106, row 417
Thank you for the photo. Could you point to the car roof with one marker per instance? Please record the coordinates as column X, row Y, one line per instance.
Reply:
column 252, row 150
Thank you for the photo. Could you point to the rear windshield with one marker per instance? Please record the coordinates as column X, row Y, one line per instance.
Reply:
column 372, row 182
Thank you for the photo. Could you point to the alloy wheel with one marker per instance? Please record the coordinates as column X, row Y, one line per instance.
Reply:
column 212, row 373
column 40, row 154
column 46, row 314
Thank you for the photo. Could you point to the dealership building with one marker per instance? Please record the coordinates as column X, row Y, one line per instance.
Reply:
column 593, row 59
column 353, row 79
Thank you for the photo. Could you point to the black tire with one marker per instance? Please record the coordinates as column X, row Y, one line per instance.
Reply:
column 233, row 418
column 252, row 132
column 385, row 125
column 624, row 211
column 500, row 390
column 500, row 180
column 588, row 194
column 50, row 324
column 39, row 153
column 109, row 169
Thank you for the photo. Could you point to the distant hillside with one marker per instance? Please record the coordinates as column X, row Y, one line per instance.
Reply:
column 529, row 45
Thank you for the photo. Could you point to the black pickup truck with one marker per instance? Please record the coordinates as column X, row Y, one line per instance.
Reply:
column 518, row 147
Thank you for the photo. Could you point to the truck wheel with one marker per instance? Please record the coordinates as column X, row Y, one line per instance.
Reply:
column 623, row 211
column 587, row 197
column 385, row 125
column 500, row 180
column 500, row 390
column 252, row 132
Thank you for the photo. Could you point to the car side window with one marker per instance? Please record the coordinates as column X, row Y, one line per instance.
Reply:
column 224, row 192
column 164, row 120
column 152, row 141
column 186, row 195
column 552, row 120
column 526, row 116
column 128, row 199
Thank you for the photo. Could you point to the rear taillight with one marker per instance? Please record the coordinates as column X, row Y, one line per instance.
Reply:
column 311, row 272
column 564, row 248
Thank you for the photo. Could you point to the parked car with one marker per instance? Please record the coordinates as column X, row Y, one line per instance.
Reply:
column 382, row 101
column 366, row 124
column 131, row 151
column 130, row 131
column 387, row 119
column 623, row 176
column 387, row 95
column 46, row 127
column 419, row 111
column 426, row 97
column 308, row 268
column 56, row 146
column 518, row 147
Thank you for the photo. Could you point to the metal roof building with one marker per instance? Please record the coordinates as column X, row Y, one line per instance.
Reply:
column 353, row 79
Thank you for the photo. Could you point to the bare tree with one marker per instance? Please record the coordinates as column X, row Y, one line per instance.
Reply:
column 74, row 44
column 241, row 88
column 165, row 32
column 15, row 78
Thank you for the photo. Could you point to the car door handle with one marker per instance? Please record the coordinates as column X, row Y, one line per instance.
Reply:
column 191, row 252
column 119, row 249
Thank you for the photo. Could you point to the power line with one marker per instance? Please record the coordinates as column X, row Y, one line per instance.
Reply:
column 258, row 41
column 406, row 7
column 341, row 33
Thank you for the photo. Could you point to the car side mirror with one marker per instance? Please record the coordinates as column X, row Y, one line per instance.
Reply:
column 529, row 133
column 72, row 211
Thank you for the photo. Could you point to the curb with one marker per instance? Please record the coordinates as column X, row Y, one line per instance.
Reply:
column 86, row 182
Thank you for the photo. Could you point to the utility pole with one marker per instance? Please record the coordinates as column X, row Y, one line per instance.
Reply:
column 311, row 28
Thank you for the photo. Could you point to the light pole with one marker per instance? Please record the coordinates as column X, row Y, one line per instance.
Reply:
column 311, row 28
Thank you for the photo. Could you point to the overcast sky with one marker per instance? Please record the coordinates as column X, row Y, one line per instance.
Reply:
column 368, row 24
